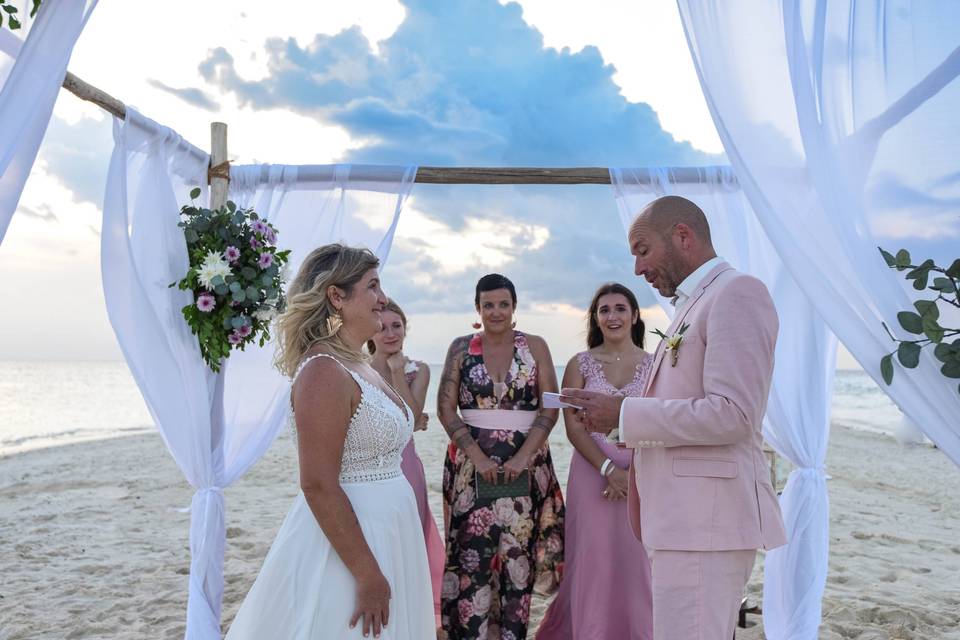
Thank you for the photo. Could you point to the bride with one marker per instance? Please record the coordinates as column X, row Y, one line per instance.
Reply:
column 349, row 557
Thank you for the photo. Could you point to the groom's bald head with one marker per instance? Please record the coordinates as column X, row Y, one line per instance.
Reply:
column 663, row 214
column 670, row 239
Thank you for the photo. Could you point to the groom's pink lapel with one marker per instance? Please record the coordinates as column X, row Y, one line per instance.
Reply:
column 676, row 324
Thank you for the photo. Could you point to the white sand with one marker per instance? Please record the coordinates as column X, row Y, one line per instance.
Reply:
column 91, row 544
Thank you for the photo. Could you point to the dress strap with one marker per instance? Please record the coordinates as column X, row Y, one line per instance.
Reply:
column 306, row 361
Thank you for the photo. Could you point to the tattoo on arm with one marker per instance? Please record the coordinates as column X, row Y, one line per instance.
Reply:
column 544, row 422
column 449, row 388
column 464, row 440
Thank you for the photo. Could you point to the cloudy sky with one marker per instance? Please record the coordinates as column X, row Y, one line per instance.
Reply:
column 479, row 82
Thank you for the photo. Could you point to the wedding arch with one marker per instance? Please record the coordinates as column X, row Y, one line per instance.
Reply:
column 840, row 124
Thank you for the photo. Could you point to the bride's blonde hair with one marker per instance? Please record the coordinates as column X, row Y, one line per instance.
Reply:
column 304, row 323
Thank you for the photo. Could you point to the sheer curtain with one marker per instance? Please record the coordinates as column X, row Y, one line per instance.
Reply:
column 840, row 122
column 29, row 89
column 215, row 426
column 797, row 424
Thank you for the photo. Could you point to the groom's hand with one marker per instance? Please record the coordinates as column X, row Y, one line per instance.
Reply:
column 599, row 412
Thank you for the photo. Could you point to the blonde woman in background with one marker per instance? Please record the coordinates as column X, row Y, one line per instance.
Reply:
column 349, row 559
column 410, row 379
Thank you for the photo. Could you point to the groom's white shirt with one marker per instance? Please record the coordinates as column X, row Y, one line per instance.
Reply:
column 684, row 290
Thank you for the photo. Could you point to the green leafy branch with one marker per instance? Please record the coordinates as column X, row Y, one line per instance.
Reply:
column 925, row 321
column 10, row 11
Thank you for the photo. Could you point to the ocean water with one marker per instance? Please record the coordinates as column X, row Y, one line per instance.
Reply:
column 46, row 404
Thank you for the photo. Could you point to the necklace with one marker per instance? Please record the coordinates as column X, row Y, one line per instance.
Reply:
column 613, row 356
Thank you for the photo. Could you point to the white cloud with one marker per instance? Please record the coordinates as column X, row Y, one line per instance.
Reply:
column 482, row 242
column 646, row 44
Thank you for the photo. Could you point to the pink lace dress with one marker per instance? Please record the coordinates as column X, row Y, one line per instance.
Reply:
column 605, row 591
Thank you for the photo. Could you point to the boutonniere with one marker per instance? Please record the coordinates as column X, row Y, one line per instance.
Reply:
column 673, row 342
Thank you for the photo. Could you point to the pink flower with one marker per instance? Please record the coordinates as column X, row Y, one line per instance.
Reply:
column 254, row 243
column 244, row 331
column 232, row 254
column 465, row 609
column 235, row 338
column 476, row 346
column 206, row 302
column 266, row 259
column 260, row 227
column 519, row 571
column 480, row 521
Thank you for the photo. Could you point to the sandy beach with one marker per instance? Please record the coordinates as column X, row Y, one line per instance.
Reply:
column 93, row 543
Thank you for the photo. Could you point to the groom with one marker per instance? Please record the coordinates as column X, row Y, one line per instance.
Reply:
column 700, row 498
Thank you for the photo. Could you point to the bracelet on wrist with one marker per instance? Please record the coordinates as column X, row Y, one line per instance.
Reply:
column 606, row 468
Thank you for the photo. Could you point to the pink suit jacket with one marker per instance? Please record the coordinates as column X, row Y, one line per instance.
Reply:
column 701, row 481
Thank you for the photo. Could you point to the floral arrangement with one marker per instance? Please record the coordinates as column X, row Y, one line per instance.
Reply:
column 236, row 275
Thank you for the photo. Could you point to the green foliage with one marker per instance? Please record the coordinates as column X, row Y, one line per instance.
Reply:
column 235, row 275
column 10, row 11
column 925, row 320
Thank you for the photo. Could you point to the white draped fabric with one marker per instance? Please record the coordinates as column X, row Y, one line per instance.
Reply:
column 29, row 90
column 840, row 122
column 797, row 424
column 215, row 426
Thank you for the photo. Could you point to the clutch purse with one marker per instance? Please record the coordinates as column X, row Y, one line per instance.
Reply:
column 518, row 488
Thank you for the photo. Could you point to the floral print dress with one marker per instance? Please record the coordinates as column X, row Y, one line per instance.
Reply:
column 499, row 550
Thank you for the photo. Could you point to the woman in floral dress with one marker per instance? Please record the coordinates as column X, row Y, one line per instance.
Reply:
column 498, row 550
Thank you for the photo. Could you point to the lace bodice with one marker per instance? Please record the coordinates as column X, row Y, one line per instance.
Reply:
column 595, row 380
column 378, row 432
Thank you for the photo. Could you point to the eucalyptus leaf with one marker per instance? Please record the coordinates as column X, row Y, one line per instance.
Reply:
column 235, row 286
column 226, row 323
column 195, row 193
column 927, row 309
column 943, row 352
column 886, row 368
column 239, row 296
column 944, row 285
column 903, row 259
column 951, row 369
column 248, row 273
column 910, row 321
column 908, row 353
column 253, row 294
column 954, row 270
column 932, row 330
column 236, row 322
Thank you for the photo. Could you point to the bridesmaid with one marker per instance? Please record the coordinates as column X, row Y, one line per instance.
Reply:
column 498, row 549
column 410, row 379
column 605, row 591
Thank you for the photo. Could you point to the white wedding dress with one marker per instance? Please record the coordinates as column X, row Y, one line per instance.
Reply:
column 304, row 591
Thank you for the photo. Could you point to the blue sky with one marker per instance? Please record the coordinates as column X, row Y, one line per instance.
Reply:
column 379, row 81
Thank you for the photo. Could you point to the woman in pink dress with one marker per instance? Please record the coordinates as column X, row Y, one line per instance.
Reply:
column 605, row 591
column 410, row 379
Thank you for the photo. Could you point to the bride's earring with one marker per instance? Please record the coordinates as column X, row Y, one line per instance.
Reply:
column 334, row 322
column 513, row 325
column 477, row 325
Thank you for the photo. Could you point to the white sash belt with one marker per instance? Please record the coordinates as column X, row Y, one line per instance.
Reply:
column 499, row 419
